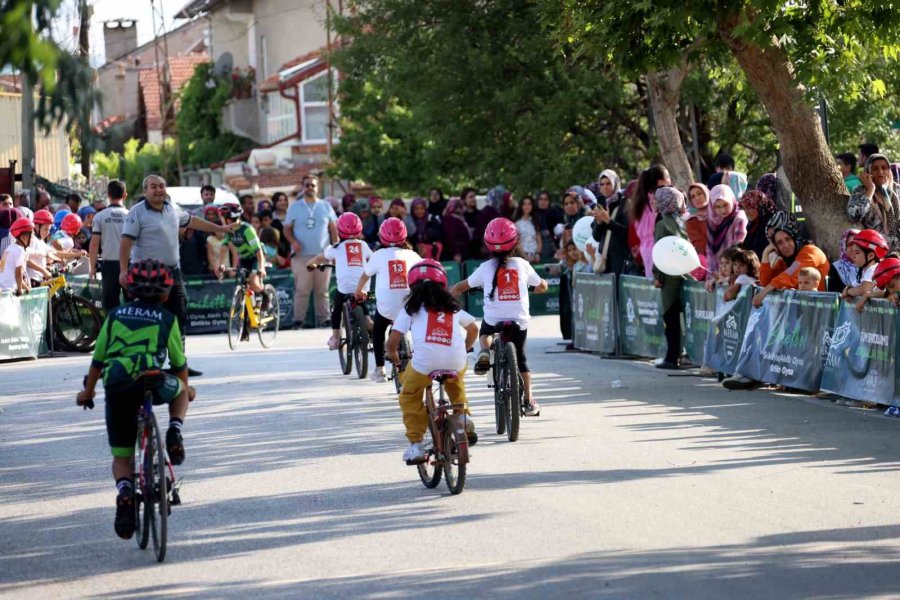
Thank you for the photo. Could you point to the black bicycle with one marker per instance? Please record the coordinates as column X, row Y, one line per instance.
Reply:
column 507, row 382
column 74, row 320
column 397, row 368
column 354, row 347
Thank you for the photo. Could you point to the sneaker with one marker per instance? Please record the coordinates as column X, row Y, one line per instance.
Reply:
column 533, row 409
column 194, row 373
column 470, row 431
column 126, row 519
column 333, row 343
column 483, row 362
column 378, row 375
column 739, row 382
column 662, row 363
column 175, row 446
column 415, row 454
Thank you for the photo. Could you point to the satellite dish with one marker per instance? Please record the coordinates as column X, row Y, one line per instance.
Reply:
column 224, row 65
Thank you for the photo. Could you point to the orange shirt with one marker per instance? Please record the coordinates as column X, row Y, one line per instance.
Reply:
column 784, row 277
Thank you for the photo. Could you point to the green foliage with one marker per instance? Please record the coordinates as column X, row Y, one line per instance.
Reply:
column 200, row 132
column 137, row 162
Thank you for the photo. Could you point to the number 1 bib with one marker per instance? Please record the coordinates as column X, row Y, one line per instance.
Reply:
column 508, row 285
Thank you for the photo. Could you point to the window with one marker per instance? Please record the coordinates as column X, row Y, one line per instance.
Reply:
column 314, row 108
column 281, row 118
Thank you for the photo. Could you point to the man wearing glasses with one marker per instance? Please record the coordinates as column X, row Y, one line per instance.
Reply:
column 309, row 227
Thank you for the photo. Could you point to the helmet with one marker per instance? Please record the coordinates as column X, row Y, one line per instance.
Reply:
column 885, row 271
column 392, row 231
column 20, row 226
column 349, row 225
column 71, row 224
column 43, row 217
column 148, row 279
column 231, row 210
column 427, row 269
column 27, row 213
column 871, row 241
column 500, row 235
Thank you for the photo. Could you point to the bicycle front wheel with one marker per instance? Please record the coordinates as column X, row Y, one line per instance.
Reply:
column 345, row 350
column 269, row 319
column 403, row 351
column 513, row 398
column 157, row 504
column 76, row 323
column 456, row 455
column 236, row 318
column 499, row 403
column 360, row 343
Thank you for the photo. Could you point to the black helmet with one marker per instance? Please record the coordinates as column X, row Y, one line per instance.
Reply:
column 231, row 210
column 149, row 279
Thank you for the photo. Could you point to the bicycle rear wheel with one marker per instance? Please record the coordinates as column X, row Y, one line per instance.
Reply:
column 513, row 398
column 76, row 323
column 456, row 455
column 269, row 319
column 345, row 350
column 141, row 518
column 430, row 471
column 360, row 343
column 236, row 318
column 156, row 505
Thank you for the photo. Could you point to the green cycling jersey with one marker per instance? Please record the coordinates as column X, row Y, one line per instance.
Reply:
column 245, row 240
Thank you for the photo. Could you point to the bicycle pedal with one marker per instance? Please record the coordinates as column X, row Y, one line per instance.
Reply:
column 176, row 498
column 413, row 463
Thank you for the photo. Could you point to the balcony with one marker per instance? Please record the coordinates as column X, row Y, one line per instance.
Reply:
column 240, row 116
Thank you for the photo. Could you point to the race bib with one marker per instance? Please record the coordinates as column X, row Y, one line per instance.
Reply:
column 440, row 328
column 397, row 272
column 354, row 254
column 508, row 285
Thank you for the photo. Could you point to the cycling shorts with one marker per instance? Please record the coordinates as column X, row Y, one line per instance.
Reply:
column 122, row 405
column 518, row 340
column 251, row 264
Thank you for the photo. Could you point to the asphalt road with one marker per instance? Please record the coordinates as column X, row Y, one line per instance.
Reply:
column 668, row 487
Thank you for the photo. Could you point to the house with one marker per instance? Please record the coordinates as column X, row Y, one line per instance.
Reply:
column 288, row 111
column 51, row 150
column 129, row 80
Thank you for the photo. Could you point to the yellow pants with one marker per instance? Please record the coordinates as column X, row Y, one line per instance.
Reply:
column 415, row 417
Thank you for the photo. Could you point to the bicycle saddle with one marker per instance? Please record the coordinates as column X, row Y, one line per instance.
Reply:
column 150, row 379
column 507, row 325
column 442, row 375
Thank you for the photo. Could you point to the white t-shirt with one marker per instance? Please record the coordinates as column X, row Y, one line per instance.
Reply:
column 37, row 253
column 390, row 266
column 527, row 235
column 65, row 240
column 439, row 338
column 510, row 301
column 14, row 256
column 868, row 274
column 350, row 258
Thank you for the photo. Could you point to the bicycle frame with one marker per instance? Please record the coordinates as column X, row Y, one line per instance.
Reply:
column 143, row 414
column 440, row 415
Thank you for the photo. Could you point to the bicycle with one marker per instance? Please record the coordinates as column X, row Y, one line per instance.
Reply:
column 447, row 452
column 75, row 321
column 397, row 368
column 245, row 315
column 508, row 385
column 354, row 347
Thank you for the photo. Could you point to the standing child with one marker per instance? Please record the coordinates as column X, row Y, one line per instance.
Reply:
column 808, row 279
column 866, row 250
column 670, row 207
column 64, row 238
column 441, row 332
column 505, row 278
column 349, row 255
column 887, row 278
column 391, row 263
column 14, row 260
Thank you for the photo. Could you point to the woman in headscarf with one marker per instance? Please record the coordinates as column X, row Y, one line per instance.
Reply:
column 347, row 202
column 768, row 185
column 419, row 213
column 759, row 209
column 456, row 233
column 575, row 201
column 695, row 226
column 843, row 271
column 610, row 227
column 670, row 208
column 487, row 214
column 264, row 204
column 785, row 255
column 643, row 212
column 507, row 205
column 436, row 203
column 876, row 204
column 547, row 216
column 397, row 209
column 726, row 224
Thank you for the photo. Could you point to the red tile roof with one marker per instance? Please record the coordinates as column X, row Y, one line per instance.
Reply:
column 181, row 69
column 11, row 83
column 273, row 82
column 281, row 178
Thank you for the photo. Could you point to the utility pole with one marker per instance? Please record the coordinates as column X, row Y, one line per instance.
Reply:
column 84, row 11
column 166, row 98
column 28, row 137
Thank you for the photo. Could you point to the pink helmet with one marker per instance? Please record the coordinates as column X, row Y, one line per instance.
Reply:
column 392, row 232
column 427, row 269
column 71, row 224
column 501, row 235
column 349, row 225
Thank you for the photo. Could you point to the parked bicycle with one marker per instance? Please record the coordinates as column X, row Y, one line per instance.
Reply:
column 447, row 452
column 251, row 311
column 507, row 382
column 75, row 321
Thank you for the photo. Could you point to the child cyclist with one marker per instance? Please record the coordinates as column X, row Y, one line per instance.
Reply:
column 14, row 261
column 244, row 246
column 441, row 333
column 391, row 264
column 505, row 278
column 136, row 337
column 350, row 256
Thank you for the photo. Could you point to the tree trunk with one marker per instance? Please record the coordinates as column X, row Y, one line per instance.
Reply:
column 808, row 162
column 664, row 89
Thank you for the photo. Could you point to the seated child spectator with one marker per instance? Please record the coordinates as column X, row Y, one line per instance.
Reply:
column 745, row 272
column 269, row 238
column 866, row 250
column 887, row 280
column 808, row 279
column 724, row 272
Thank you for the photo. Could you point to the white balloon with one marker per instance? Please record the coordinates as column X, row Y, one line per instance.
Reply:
column 581, row 232
column 675, row 256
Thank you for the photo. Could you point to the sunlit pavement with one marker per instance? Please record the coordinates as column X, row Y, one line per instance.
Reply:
column 668, row 486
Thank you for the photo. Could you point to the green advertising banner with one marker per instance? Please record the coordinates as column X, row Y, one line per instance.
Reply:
column 726, row 332
column 699, row 311
column 23, row 320
column 861, row 362
column 594, row 306
column 641, row 328
column 87, row 288
column 209, row 301
column 787, row 339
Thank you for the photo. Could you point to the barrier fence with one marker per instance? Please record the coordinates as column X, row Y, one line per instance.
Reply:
column 802, row 340
column 23, row 320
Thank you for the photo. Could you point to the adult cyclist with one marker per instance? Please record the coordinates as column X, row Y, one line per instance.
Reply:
column 245, row 247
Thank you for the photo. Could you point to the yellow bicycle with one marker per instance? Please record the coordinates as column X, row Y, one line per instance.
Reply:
column 245, row 315
column 75, row 321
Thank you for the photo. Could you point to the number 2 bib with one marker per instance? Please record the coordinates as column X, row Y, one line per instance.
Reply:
column 397, row 274
column 439, row 329
column 508, row 285
column 354, row 254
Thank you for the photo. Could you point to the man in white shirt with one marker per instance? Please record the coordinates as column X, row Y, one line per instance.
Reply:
column 106, row 237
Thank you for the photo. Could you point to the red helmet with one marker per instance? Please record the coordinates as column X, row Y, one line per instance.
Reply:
column 231, row 210
column 149, row 279
column 349, row 225
column 71, row 224
column 427, row 269
column 43, row 217
column 20, row 226
column 871, row 241
column 885, row 271
column 392, row 232
column 501, row 235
